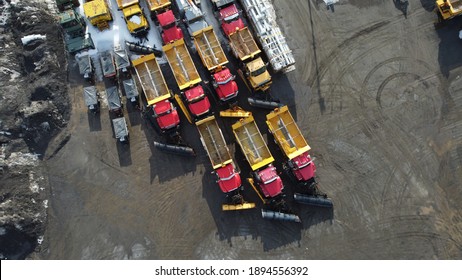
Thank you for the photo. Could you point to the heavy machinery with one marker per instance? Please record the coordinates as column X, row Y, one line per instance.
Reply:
column 113, row 101
column 74, row 31
column 137, row 23
column 191, row 15
column 98, row 13
column 228, row 178
column 169, row 30
column 188, row 79
column 253, row 69
column 67, row 4
column 107, row 64
column 131, row 92
column 263, row 19
column 120, row 129
column 299, row 166
column 90, row 95
column 86, row 68
column 264, row 177
column 157, row 6
column 448, row 9
column 121, row 59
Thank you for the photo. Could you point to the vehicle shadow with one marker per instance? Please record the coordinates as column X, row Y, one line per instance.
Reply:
column 124, row 152
column 94, row 121
column 428, row 5
column 450, row 46
column 402, row 5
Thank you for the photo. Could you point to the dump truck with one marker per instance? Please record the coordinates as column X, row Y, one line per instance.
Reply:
column 170, row 32
column 263, row 19
column 98, row 13
column 120, row 129
column 113, row 101
column 90, row 95
column 85, row 64
column 448, row 9
column 74, row 31
column 157, row 6
column 228, row 177
column 107, row 64
column 157, row 93
column 187, row 79
column 192, row 16
column 264, row 176
column 253, row 69
column 137, row 23
column 299, row 165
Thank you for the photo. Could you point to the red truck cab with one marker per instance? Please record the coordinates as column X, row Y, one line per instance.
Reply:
column 224, row 84
column 170, row 31
column 198, row 103
column 166, row 115
column 228, row 179
column 230, row 19
column 269, row 181
column 303, row 167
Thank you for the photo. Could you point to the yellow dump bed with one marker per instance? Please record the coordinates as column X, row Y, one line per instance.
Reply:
column 180, row 61
column 126, row 3
column 155, row 5
column 286, row 132
column 151, row 79
column 209, row 48
column 213, row 141
column 243, row 44
column 252, row 143
column 449, row 9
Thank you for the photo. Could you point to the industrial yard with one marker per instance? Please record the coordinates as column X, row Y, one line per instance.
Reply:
column 377, row 94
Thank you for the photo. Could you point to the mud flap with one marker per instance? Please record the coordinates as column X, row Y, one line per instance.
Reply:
column 319, row 201
column 261, row 103
column 175, row 149
column 237, row 207
column 280, row 216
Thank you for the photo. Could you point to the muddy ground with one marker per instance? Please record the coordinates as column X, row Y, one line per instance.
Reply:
column 378, row 96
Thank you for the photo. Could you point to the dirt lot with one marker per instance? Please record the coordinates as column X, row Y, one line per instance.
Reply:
column 379, row 98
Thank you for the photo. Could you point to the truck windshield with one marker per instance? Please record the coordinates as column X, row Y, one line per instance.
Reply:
column 168, row 26
column 231, row 18
column 258, row 71
column 69, row 24
column 228, row 178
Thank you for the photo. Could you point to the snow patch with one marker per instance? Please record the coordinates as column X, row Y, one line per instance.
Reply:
column 20, row 159
column 460, row 34
column 30, row 38
column 5, row 14
column 330, row 2
column 40, row 239
column 45, row 203
column 135, row 19
column 13, row 74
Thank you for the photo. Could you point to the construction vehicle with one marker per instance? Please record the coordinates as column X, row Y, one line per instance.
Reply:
column 86, row 68
column 228, row 178
column 169, row 30
column 137, row 23
column 90, row 95
column 131, row 92
column 192, row 16
column 113, row 101
column 98, row 13
column 263, row 19
column 107, row 64
column 448, row 9
column 188, row 79
column 142, row 49
column 157, row 6
column 229, row 17
column 67, row 4
column 74, row 31
column 120, row 129
column 121, row 59
column 264, row 177
column 157, row 93
column 299, row 166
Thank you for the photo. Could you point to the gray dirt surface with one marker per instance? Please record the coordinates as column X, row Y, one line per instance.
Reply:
column 378, row 96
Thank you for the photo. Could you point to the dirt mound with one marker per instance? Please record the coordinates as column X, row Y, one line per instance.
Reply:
column 34, row 108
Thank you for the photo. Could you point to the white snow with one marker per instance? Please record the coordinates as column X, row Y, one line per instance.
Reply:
column 460, row 34
column 29, row 38
column 330, row 2
column 13, row 74
column 135, row 19
column 5, row 15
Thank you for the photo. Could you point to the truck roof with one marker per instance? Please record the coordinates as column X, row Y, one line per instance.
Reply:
column 166, row 18
column 252, row 144
column 120, row 127
column 121, row 58
column 213, row 141
column 151, row 79
column 90, row 95
column 243, row 44
column 130, row 88
column 113, row 98
column 95, row 8
column 286, row 132
column 209, row 48
column 155, row 5
column 180, row 61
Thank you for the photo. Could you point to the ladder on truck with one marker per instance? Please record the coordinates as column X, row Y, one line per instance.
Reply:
column 263, row 18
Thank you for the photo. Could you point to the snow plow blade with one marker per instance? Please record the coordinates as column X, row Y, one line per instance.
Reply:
column 319, row 201
column 273, row 215
column 236, row 112
column 266, row 104
column 135, row 47
column 175, row 149
column 237, row 207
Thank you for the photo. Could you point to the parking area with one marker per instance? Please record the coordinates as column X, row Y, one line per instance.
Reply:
column 378, row 96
